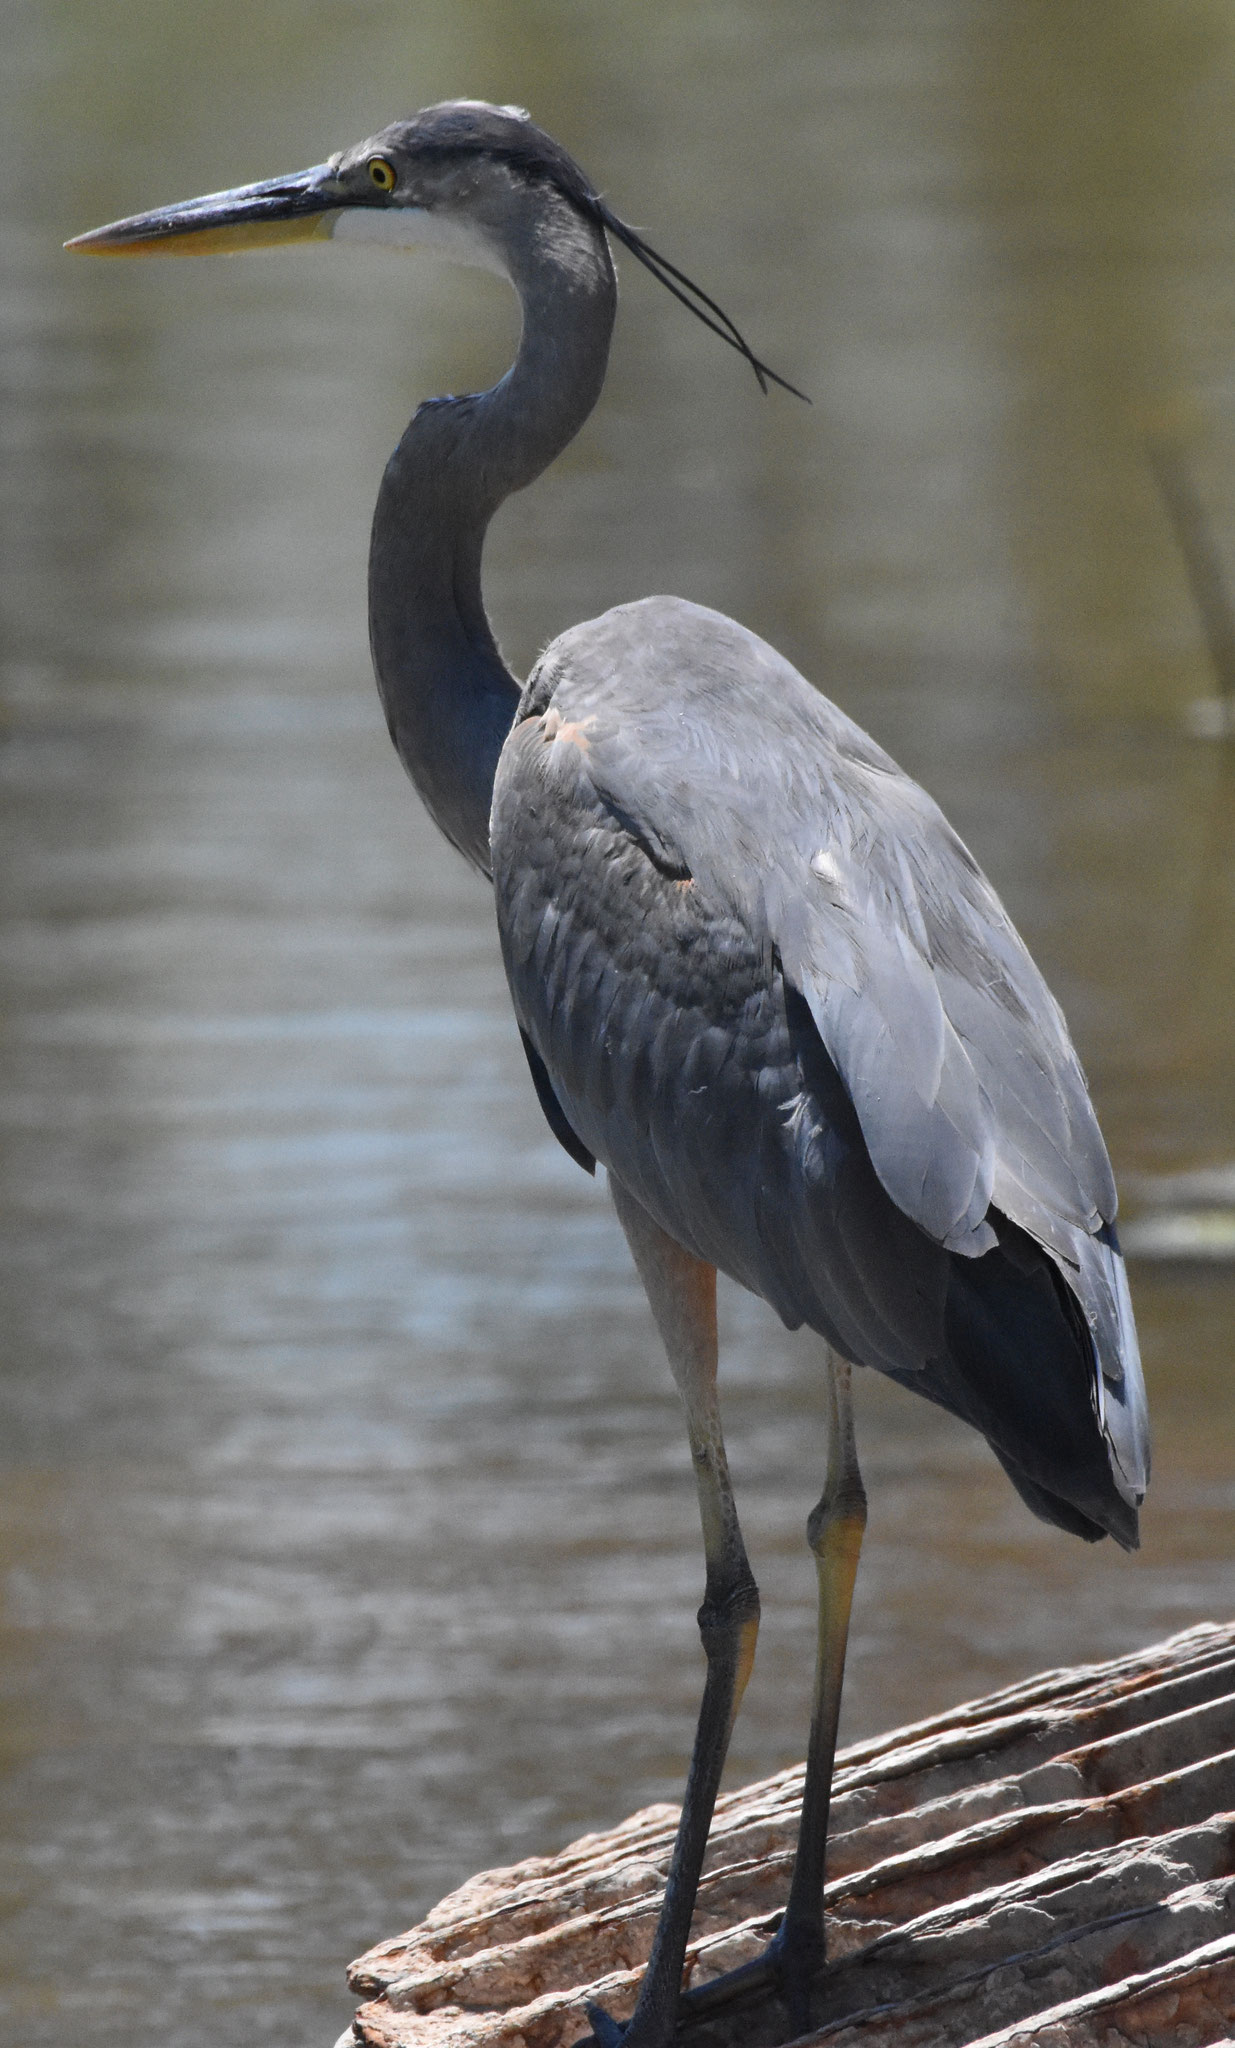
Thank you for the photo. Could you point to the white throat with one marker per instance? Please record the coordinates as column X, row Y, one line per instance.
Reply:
column 415, row 227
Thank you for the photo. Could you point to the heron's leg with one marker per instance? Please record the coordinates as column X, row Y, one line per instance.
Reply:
column 834, row 1532
column 682, row 1293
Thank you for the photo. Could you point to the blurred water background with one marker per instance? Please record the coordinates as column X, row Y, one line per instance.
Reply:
column 347, row 1539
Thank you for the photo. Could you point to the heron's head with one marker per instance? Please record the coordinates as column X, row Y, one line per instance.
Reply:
column 479, row 183
column 449, row 179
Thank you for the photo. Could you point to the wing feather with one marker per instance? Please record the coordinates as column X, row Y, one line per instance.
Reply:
column 668, row 729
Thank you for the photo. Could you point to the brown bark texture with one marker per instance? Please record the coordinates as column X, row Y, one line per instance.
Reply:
column 1050, row 1867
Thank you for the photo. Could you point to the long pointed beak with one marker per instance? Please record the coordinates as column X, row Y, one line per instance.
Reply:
column 294, row 209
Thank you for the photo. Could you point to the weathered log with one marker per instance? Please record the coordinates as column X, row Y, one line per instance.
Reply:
column 1054, row 1864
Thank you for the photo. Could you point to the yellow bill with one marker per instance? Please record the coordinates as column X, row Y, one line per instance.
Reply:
column 300, row 208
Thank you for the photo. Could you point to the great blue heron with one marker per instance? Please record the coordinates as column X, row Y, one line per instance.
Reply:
column 755, row 971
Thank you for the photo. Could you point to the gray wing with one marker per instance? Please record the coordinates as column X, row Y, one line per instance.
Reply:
column 957, row 1058
column 723, row 765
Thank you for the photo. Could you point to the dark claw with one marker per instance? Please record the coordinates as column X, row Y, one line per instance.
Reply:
column 747, row 1981
column 606, row 2031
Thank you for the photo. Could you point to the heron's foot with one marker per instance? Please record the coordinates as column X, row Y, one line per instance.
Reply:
column 606, row 2031
column 641, row 2030
column 788, row 1967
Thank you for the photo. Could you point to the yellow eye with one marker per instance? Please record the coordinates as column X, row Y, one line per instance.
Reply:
column 382, row 173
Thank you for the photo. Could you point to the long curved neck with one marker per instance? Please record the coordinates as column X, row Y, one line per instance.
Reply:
column 448, row 695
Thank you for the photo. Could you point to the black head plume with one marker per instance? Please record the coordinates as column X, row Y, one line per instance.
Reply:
column 690, row 295
column 508, row 133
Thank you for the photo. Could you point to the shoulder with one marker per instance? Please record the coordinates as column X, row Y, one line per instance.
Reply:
column 666, row 655
column 675, row 690
column 701, row 738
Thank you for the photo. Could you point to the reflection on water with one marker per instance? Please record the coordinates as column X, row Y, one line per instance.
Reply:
column 347, row 1536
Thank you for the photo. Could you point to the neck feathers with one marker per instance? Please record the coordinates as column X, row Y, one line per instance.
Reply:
column 448, row 695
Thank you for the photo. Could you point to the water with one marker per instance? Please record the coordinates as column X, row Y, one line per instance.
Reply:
column 347, row 1541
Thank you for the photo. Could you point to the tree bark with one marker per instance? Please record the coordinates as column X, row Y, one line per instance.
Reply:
column 1054, row 1864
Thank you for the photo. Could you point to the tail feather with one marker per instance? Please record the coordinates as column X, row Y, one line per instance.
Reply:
column 1122, row 1521
column 1123, row 1410
column 1042, row 1359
